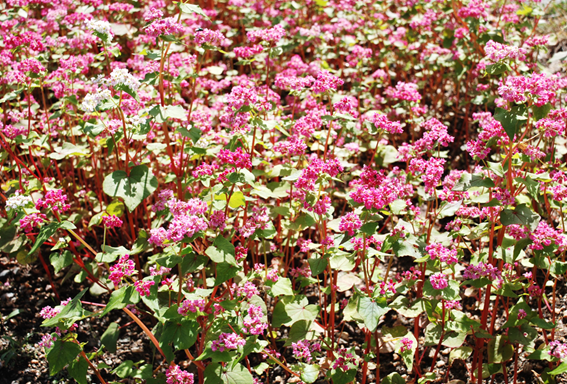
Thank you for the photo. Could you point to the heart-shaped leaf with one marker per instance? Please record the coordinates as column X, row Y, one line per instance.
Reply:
column 134, row 188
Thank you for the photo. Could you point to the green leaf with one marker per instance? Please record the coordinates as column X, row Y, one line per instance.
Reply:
column 282, row 287
column 309, row 372
column 78, row 370
column 541, row 354
column 340, row 377
column 192, row 8
column 68, row 149
column 222, row 251
column 468, row 181
column 461, row 353
column 121, row 298
column 176, row 112
column 134, row 188
column 522, row 215
column 317, row 265
column 538, row 322
column 115, row 208
column 496, row 69
column 559, row 370
column 110, row 337
column 70, row 313
column 369, row 228
column 194, row 133
column 216, row 374
column 541, row 112
column 61, row 260
column 392, row 378
column 371, row 311
column 290, row 310
column 500, row 350
column 237, row 200
column 512, row 120
column 182, row 333
column 61, row 354
column 125, row 369
column 300, row 330
column 110, row 254
column 127, row 89
column 47, row 231
column 225, row 272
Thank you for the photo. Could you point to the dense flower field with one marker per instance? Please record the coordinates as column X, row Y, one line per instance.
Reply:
column 295, row 190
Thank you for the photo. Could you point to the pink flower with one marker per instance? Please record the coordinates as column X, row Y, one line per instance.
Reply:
column 350, row 223
column 31, row 221
column 303, row 348
column 271, row 35
column 253, row 323
column 438, row 251
column 143, row 287
column 54, row 199
column 176, row 375
column 123, row 267
column 210, row 37
column 111, row 221
column 407, row 343
column 248, row 52
column 191, row 306
column 544, row 236
column 167, row 26
column 227, row 341
column 404, row 91
column 381, row 122
column 558, row 350
column 439, row 281
column 325, row 82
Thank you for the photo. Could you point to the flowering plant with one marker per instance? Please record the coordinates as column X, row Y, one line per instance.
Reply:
column 305, row 190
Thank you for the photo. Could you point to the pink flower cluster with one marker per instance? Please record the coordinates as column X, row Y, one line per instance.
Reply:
column 381, row 122
column 55, row 200
column 143, row 287
column 350, row 223
column 558, row 350
column 227, row 341
column 544, row 236
column 253, row 323
column 161, row 27
column 207, row 36
column 404, row 91
column 123, row 267
column 175, row 375
column 445, row 255
column 481, row 270
column 407, row 344
column 248, row 52
column 191, row 306
column 377, row 189
column 271, row 35
column 439, row 281
column 343, row 359
column 303, row 349
column 111, row 221
column 187, row 220
column 496, row 52
column 325, row 81
column 31, row 221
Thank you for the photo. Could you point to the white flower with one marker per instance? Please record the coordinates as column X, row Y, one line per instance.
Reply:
column 92, row 100
column 100, row 26
column 121, row 76
column 17, row 201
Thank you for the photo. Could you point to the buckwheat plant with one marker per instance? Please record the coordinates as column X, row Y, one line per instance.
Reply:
column 315, row 191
